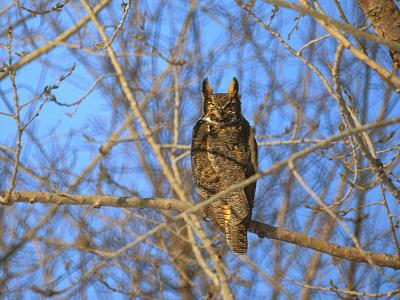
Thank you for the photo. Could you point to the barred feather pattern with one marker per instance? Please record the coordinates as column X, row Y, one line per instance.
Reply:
column 221, row 157
column 224, row 153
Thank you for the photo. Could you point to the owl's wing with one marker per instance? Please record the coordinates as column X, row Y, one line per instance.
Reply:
column 242, row 202
column 252, row 167
column 242, row 164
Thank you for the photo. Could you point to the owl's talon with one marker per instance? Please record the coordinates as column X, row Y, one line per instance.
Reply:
column 206, row 219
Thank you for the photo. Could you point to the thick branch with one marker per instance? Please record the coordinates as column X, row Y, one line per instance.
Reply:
column 262, row 230
column 384, row 16
column 349, row 253
column 96, row 200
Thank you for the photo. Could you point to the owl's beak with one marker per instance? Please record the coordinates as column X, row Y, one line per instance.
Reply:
column 219, row 113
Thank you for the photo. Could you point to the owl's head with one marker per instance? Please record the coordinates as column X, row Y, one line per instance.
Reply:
column 222, row 108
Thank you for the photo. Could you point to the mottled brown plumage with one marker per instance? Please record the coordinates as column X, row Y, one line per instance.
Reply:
column 224, row 152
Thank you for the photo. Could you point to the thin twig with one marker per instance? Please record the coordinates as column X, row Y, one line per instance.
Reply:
column 54, row 42
column 125, row 7
column 17, row 117
column 390, row 218
column 47, row 92
column 57, row 7
column 342, row 291
column 91, row 88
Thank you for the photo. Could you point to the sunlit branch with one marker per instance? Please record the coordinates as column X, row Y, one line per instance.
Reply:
column 54, row 42
column 262, row 230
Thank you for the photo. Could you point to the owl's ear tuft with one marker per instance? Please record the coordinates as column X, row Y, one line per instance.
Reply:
column 207, row 89
column 233, row 88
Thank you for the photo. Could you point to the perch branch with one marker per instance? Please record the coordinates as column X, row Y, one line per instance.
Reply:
column 349, row 253
column 96, row 201
column 262, row 230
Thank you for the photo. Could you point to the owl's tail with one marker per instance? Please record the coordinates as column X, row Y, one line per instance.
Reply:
column 236, row 236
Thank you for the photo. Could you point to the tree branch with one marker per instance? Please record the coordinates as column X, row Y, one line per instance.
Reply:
column 384, row 16
column 349, row 253
column 55, row 41
column 96, row 200
column 262, row 230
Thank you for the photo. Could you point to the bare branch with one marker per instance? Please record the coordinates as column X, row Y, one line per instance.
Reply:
column 348, row 253
column 262, row 230
column 57, row 7
column 54, row 42
column 97, row 201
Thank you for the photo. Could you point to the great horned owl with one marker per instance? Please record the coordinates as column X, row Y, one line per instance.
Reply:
column 224, row 152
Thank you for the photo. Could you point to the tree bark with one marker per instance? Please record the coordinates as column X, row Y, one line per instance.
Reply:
column 262, row 230
column 384, row 16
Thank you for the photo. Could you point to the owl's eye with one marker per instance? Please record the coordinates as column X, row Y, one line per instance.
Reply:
column 211, row 104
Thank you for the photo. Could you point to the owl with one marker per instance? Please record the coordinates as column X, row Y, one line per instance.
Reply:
column 224, row 153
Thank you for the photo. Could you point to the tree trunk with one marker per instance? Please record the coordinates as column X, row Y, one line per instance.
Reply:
column 384, row 16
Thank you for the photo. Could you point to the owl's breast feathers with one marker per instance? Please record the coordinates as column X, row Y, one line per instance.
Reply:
column 232, row 145
column 204, row 173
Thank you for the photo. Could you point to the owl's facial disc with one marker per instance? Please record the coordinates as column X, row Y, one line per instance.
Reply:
column 221, row 116
column 222, row 109
column 213, row 113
